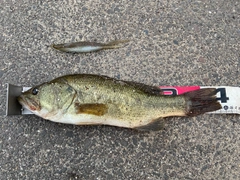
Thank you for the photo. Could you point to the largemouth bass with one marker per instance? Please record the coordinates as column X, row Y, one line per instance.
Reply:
column 84, row 47
column 85, row 99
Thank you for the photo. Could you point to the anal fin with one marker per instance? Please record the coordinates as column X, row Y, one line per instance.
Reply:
column 155, row 125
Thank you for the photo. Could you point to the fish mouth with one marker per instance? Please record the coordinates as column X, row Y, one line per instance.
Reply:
column 28, row 103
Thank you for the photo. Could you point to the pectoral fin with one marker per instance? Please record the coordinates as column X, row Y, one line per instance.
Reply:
column 155, row 125
column 94, row 109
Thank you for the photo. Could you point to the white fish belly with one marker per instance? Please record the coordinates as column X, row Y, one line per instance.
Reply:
column 86, row 119
column 84, row 49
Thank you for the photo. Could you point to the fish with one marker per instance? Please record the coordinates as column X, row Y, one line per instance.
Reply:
column 85, row 47
column 89, row 99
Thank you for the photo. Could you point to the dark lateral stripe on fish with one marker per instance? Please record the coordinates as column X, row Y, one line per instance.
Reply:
column 201, row 101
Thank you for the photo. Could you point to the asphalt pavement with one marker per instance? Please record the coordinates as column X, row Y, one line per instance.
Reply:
column 178, row 42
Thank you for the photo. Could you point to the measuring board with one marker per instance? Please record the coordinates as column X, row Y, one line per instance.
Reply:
column 228, row 96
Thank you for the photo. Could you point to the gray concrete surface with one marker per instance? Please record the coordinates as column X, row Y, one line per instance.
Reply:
column 172, row 43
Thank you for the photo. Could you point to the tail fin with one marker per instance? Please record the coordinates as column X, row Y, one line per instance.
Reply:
column 115, row 44
column 201, row 101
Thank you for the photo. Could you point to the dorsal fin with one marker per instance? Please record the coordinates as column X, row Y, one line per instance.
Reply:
column 152, row 90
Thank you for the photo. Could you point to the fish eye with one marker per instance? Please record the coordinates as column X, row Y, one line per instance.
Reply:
column 35, row 91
